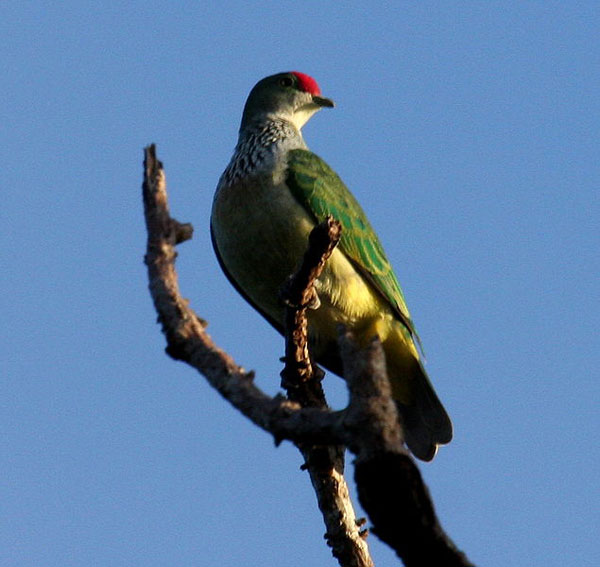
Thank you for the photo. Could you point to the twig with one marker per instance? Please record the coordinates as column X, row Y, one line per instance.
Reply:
column 299, row 294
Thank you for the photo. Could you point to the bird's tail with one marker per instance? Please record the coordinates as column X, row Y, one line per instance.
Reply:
column 426, row 423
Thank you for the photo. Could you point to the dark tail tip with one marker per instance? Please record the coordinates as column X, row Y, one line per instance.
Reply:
column 426, row 423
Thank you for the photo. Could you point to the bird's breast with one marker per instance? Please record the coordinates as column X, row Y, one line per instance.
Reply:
column 261, row 233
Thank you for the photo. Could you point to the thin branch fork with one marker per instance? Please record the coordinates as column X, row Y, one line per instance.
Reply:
column 389, row 484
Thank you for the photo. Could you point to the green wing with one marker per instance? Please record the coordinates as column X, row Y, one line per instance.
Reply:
column 320, row 190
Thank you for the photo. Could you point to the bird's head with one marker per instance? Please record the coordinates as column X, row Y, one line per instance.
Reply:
column 291, row 96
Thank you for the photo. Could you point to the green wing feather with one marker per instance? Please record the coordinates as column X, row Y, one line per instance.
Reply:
column 320, row 190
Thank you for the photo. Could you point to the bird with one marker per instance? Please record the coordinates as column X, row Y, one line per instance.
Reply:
column 272, row 193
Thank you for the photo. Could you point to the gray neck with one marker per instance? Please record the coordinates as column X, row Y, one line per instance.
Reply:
column 261, row 147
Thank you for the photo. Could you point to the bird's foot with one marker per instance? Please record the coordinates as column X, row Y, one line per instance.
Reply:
column 314, row 302
column 286, row 294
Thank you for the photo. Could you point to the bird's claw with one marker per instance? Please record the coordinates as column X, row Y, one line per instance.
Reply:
column 314, row 302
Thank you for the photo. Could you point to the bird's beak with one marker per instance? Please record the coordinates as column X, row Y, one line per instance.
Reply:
column 323, row 102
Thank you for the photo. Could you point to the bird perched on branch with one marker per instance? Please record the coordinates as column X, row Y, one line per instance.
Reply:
column 271, row 195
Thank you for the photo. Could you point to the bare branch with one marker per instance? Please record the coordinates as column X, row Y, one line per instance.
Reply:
column 299, row 294
column 390, row 486
column 302, row 380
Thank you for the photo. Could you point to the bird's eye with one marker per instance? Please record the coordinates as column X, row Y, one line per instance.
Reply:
column 286, row 82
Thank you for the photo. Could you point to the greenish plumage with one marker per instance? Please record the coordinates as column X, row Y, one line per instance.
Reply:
column 271, row 195
column 321, row 191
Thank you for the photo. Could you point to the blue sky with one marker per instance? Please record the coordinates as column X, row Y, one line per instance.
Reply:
column 470, row 134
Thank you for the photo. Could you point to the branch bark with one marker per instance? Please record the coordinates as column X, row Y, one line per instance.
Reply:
column 389, row 484
column 302, row 380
